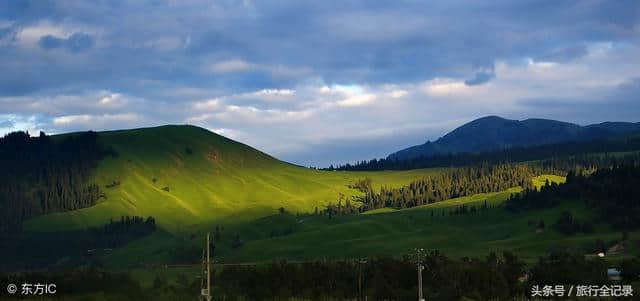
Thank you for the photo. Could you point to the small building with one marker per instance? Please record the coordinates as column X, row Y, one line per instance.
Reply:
column 613, row 274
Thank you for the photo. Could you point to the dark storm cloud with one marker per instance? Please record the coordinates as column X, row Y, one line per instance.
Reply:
column 621, row 103
column 341, row 42
column 564, row 54
column 60, row 57
column 77, row 42
column 480, row 78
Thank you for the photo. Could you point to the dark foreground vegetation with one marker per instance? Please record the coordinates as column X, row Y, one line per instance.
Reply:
column 495, row 277
column 33, row 250
column 42, row 174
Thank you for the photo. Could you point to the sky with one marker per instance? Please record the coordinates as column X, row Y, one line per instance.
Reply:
column 315, row 82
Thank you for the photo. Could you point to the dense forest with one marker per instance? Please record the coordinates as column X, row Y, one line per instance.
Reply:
column 612, row 192
column 516, row 154
column 454, row 183
column 78, row 246
column 46, row 174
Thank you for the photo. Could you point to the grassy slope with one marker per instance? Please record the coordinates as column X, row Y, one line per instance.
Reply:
column 389, row 232
column 398, row 232
column 222, row 181
column 540, row 181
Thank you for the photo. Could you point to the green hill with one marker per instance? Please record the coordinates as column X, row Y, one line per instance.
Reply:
column 192, row 180
column 188, row 177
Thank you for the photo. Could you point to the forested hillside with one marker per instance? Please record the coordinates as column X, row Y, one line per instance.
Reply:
column 611, row 192
column 451, row 184
column 481, row 178
column 41, row 175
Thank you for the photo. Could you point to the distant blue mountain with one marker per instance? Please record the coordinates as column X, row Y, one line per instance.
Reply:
column 495, row 133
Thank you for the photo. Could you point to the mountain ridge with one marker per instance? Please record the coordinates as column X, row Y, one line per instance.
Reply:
column 492, row 133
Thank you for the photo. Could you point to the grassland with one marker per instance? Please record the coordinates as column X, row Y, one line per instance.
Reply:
column 396, row 233
column 188, row 177
column 192, row 180
column 388, row 232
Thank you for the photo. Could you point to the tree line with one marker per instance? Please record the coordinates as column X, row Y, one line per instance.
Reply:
column 612, row 192
column 494, row 277
column 118, row 233
column 446, row 185
column 46, row 174
column 514, row 154
column 78, row 246
column 479, row 178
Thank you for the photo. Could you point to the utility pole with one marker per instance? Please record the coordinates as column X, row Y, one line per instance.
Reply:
column 360, row 262
column 418, row 257
column 206, row 262
column 420, row 269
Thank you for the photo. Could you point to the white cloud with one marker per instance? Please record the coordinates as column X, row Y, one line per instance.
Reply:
column 230, row 66
column 357, row 100
column 229, row 133
column 278, row 92
column 94, row 120
column 239, row 65
column 30, row 35
column 13, row 122
column 209, row 104
column 218, row 109
column 268, row 95
column 454, row 89
column 540, row 64
column 88, row 102
column 112, row 100
column 199, row 119
column 252, row 115
column 397, row 93
column 321, row 70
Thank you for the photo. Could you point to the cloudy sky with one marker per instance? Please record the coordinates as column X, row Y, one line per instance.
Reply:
column 315, row 82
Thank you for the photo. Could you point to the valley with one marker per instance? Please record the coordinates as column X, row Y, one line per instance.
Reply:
column 260, row 210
